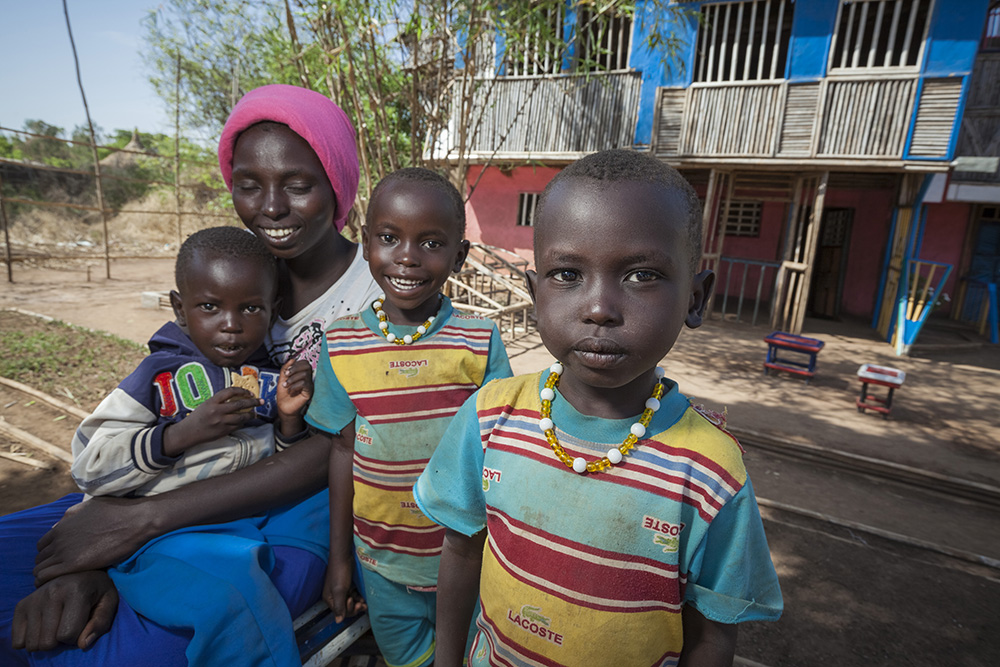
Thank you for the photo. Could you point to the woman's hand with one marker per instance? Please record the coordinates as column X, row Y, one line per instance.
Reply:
column 73, row 609
column 93, row 535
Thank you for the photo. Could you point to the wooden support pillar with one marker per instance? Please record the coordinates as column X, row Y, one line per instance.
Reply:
column 801, row 240
column 714, row 215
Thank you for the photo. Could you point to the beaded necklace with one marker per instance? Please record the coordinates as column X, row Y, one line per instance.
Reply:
column 383, row 324
column 615, row 454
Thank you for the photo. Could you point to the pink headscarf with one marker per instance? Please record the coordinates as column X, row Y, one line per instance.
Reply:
column 312, row 116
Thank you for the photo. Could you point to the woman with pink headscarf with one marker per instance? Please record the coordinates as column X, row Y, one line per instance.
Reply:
column 289, row 157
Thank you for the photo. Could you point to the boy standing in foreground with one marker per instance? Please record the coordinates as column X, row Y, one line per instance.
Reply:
column 389, row 381
column 622, row 528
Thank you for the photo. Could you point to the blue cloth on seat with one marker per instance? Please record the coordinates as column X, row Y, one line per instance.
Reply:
column 294, row 567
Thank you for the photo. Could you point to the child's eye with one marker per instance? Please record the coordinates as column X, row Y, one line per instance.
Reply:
column 253, row 309
column 565, row 276
column 386, row 238
column 208, row 307
column 642, row 276
column 432, row 245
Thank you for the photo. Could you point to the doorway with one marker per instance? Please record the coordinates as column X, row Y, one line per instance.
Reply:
column 830, row 265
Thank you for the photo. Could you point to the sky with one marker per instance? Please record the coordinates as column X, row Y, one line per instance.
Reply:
column 37, row 74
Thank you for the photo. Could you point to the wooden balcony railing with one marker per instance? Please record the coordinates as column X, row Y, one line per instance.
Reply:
column 535, row 116
column 839, row 119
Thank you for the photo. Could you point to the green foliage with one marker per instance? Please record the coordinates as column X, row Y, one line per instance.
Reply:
column 407, row 72
column 223, row 48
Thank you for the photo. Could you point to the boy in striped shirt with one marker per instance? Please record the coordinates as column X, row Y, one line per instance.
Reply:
column 619, row 523
column 389, row 380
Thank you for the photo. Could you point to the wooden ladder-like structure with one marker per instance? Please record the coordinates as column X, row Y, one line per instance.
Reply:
column 493, row 284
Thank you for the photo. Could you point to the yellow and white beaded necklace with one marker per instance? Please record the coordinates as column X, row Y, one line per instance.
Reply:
column 615, row 454
column 383, row 324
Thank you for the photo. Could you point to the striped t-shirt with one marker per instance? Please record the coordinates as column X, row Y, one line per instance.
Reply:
column 403, row 398
column 595, row 569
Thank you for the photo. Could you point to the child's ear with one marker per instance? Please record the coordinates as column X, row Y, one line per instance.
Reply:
column 364, row 242
column 701, row 290
column 178, row 305
column 532, row 279
column 463, row 252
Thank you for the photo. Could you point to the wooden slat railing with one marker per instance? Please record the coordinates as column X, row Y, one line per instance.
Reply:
column 566, row 114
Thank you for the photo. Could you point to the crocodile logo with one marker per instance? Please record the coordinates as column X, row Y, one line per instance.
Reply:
column 669, row 544
column 532, row 613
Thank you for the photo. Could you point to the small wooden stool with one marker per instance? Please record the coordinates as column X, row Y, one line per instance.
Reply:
column 779, row 340
column 878, row 375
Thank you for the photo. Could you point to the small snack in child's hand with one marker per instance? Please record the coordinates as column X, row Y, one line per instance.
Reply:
column 248, row 382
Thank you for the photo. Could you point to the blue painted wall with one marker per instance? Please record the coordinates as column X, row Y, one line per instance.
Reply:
column 655, row 70
column 812, row 34
column 953, row 39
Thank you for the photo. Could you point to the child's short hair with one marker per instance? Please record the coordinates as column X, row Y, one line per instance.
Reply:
column 619, row 165
column 216, row 242
column 428, row 177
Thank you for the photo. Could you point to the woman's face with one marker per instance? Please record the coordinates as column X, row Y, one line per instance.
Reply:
column 281, row 191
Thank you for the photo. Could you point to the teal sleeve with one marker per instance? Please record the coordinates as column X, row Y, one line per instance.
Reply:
column 497, row 364
column 731, row 578
column 450, row 490
column 330, row 408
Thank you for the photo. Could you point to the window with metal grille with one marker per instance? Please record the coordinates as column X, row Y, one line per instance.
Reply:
column 743, row 41
column 527, row 202
column 879, row 34
column 991, row 35
column 605, row 40
column 743, row 218
column 542, row 53
column 602, row 42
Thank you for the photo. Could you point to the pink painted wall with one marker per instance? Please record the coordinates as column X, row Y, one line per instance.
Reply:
column 493, row 208
column 866, row 251
column 944, row 239
column 491, row 211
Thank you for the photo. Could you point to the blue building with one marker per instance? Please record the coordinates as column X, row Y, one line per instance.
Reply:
column 846, row 150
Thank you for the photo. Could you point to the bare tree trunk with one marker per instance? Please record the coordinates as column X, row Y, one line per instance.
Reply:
column 300, row 64
column 6, row 235
column 177, row 151
column 93, row 147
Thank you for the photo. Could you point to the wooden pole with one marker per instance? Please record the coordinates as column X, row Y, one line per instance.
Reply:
column 811, row 243
column 177, row 150
column 93, row 147
column 6, row 235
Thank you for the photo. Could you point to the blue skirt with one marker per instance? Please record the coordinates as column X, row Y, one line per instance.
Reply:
column 210, row 577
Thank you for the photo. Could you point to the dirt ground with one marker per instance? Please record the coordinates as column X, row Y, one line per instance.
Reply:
column 851, row 597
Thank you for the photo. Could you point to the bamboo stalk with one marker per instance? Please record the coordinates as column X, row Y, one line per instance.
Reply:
column 45, row 398
column 26, row 460
column 6, row 234
column 177, row 150
column 34, row 442
column 93, row 146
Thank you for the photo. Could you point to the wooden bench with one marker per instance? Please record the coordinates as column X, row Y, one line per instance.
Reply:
column 784, row 343
column 321, row 639
column 870, row 374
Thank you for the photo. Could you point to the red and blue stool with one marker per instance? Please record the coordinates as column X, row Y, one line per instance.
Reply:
column 882, row 376
column 781, row 344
